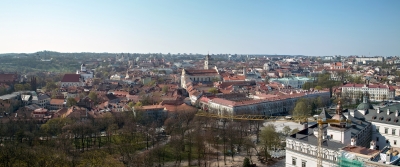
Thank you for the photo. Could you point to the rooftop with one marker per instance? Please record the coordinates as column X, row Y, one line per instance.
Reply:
column 71, row 78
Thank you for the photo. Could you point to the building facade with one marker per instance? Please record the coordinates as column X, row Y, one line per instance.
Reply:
column 302, row 147
column 377, row 92
column 294, row 82
column 257, row 105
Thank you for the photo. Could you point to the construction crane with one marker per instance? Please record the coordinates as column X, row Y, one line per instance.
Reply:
column 321, row 122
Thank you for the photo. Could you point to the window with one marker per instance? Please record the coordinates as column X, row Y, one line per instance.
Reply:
column 393, row 131
column 294, row 161
column 386, row 130
column 377, row 129
column 395, row 142
column 303, row 163
column 387, row 141
column 377, row 138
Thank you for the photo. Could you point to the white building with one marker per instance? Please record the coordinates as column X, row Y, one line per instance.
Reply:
column 364, row 60
column 377, row 92
column 85, row 74
column 371, row 139
column 294, row 82
column 301, row 147
column 386, row 125
column 259, row 104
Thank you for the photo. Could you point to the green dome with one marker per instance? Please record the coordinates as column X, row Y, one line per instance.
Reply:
column 364, row 106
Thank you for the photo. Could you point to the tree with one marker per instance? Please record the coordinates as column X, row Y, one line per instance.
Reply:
column 22, row 87
column 295, row 131
column 138, row 104
column 301, row 111
column 165, row 89
column 307, row 86
column 286, row 130
column 319, row 102
column 246, row 162
column 269, row 139
column 318, row 88
column 71, row 102
column 213, row 90
column 50, row 85
column 131, row 104
column 98, row 158
column 93, row 97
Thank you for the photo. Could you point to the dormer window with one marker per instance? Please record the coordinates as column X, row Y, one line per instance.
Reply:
column 388, row 119
column 374, row 117
column 396, row 120
column 381, row 118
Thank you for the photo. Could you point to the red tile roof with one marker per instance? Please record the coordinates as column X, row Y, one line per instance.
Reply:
column 7, row 77
column 71, row 78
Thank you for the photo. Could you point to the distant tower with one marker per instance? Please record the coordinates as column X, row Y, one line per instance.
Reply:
column 206, row 62
column 127, row 74
column 244, row 71
column 33, row 84
column 83, row 67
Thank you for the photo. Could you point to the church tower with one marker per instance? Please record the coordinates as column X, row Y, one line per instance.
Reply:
column 83, row 67
column 206, row 62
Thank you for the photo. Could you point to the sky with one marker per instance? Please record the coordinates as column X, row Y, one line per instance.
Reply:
column 306, row 27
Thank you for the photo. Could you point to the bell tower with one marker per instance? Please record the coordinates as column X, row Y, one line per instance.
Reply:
column 206, row 62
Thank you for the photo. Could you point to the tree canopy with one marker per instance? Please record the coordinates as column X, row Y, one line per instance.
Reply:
column 213, row 90
column 93, row 97
column 71, row 102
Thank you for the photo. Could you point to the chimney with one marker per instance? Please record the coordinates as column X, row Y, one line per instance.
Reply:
column 372, row 145
column 388, row 112
column 305, row 125
column 396, row 113
column 378, row 110
column 353, row 141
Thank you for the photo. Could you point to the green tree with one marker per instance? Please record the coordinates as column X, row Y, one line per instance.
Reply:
column 54, row 126
column 165, row 89
column 307, row 86
column 19, row 87
column 213, row 90
column 97, row 158
column 246, row 162
column 318, row 88
column 138, row 104
column 50, row 86
column 269, row 139
column 301, row 111
column 93, row 97
column 286, row 130
column 319, row 102
column 71, row 102
column 131, row 104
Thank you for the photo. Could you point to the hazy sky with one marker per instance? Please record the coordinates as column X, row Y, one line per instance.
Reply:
column 340, row 27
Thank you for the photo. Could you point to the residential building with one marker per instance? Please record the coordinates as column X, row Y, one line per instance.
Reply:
column 377, row 92
column 56, row 104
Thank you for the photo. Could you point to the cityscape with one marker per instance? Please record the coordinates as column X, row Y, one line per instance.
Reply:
column 190, row 83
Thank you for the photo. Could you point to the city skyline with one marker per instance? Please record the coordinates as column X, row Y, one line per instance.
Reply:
column 311, row 28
